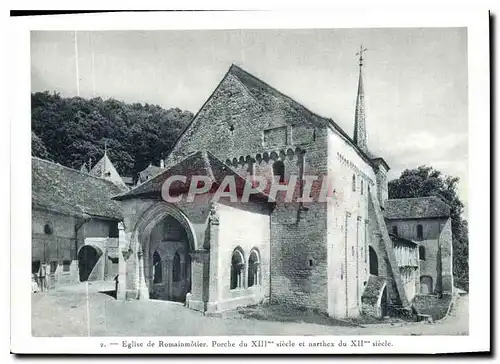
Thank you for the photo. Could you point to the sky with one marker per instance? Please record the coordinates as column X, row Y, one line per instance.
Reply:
column 415, row 80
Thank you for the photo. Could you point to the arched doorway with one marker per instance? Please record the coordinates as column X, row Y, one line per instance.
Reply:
column 426, row 285
column 168, row 264
column 88, row 267
column 373, row 261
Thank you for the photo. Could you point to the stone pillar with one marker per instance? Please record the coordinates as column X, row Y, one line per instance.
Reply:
column 200, row 260
column 142, row 286
column 124, row 254
column 213, row 279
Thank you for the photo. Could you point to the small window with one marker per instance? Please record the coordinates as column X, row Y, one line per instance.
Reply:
column 35, row 266
column 395, row 230
column 237, row 264
column 420, row 232
column 176, row 268
column 47, row 229
column 421, row 252
column 279, row 170
column 253, row 269
column 66, row 265
column 362, row 186
column 157, row 269
column 353, row 182
column 113, row 230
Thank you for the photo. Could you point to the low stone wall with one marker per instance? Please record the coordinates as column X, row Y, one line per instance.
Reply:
column 432, row 305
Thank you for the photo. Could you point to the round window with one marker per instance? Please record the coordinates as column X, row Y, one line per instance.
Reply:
column 48, row 229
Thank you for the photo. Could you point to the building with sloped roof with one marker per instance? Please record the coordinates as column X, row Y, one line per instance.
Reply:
column 427, row 222
column 74, row 225
column 216, row 254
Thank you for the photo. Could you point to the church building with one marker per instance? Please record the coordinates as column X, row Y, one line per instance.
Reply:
column 357, row 252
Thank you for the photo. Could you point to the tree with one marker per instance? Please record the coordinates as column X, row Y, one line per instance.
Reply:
column 426, row 181
column 38, row 148
column 75, row 130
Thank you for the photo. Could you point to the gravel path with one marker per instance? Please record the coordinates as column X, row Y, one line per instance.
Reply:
column 65, row 312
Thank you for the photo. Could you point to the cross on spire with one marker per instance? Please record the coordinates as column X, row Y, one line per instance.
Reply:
column 360, row 54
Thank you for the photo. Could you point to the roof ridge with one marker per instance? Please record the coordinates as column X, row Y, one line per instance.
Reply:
column 276, row 90
column 74, row 170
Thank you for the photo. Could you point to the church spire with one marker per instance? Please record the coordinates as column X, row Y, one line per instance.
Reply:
column 359, row 116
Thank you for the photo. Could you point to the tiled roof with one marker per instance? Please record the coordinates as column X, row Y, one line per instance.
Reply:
column 105, row 168
column 197, row 164
column 416, row 208
column 281, row 106
column 68, row 191
column 150, row 172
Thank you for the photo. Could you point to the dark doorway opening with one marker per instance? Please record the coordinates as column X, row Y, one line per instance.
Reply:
column 373, row 262
column 88, row 256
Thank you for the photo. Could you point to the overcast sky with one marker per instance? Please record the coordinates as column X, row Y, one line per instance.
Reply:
column 415, row 79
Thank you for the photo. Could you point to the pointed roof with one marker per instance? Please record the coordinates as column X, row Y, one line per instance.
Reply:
column 149, row 172
column 104, row 168
column 67, row 191
column 196, row 164
column 278, row 104
column 84, row 168
column 359, row 115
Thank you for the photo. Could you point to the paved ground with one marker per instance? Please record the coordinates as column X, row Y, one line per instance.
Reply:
column 65, row 313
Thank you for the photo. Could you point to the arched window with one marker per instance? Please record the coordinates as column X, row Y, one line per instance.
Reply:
column 373, row 261
column 279, row 170
column 421, row 252
column 157, row 268
column 395, row 230
column 354, row 182
column 176, row 268
column 253, row 269
column 420, row 232
column 237, row 264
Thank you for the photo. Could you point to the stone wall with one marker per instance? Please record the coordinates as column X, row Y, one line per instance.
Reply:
column 58, row 246
column 437, row 242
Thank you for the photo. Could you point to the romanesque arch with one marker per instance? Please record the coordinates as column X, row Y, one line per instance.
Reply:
column 155, row 255
column 88, row 257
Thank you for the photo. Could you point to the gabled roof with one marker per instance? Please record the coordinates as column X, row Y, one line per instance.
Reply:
column 196, row 164
column 64, row 190
column 280, row 105
column 416, row 208
column 104, row 168
column 149, row 172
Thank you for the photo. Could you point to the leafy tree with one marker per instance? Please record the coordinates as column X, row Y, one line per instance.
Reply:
column 426, row 181
column 75, row 130
column 38, row 148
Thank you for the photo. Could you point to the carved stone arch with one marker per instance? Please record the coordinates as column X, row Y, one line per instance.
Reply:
column 158, row 212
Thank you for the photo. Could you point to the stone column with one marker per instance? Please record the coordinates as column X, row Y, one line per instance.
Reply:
column 142, row 286
column 199, row 280
column 124, row 254
column 213, row 279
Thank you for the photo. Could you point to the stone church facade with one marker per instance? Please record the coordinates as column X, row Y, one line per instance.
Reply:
column 336, row 256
